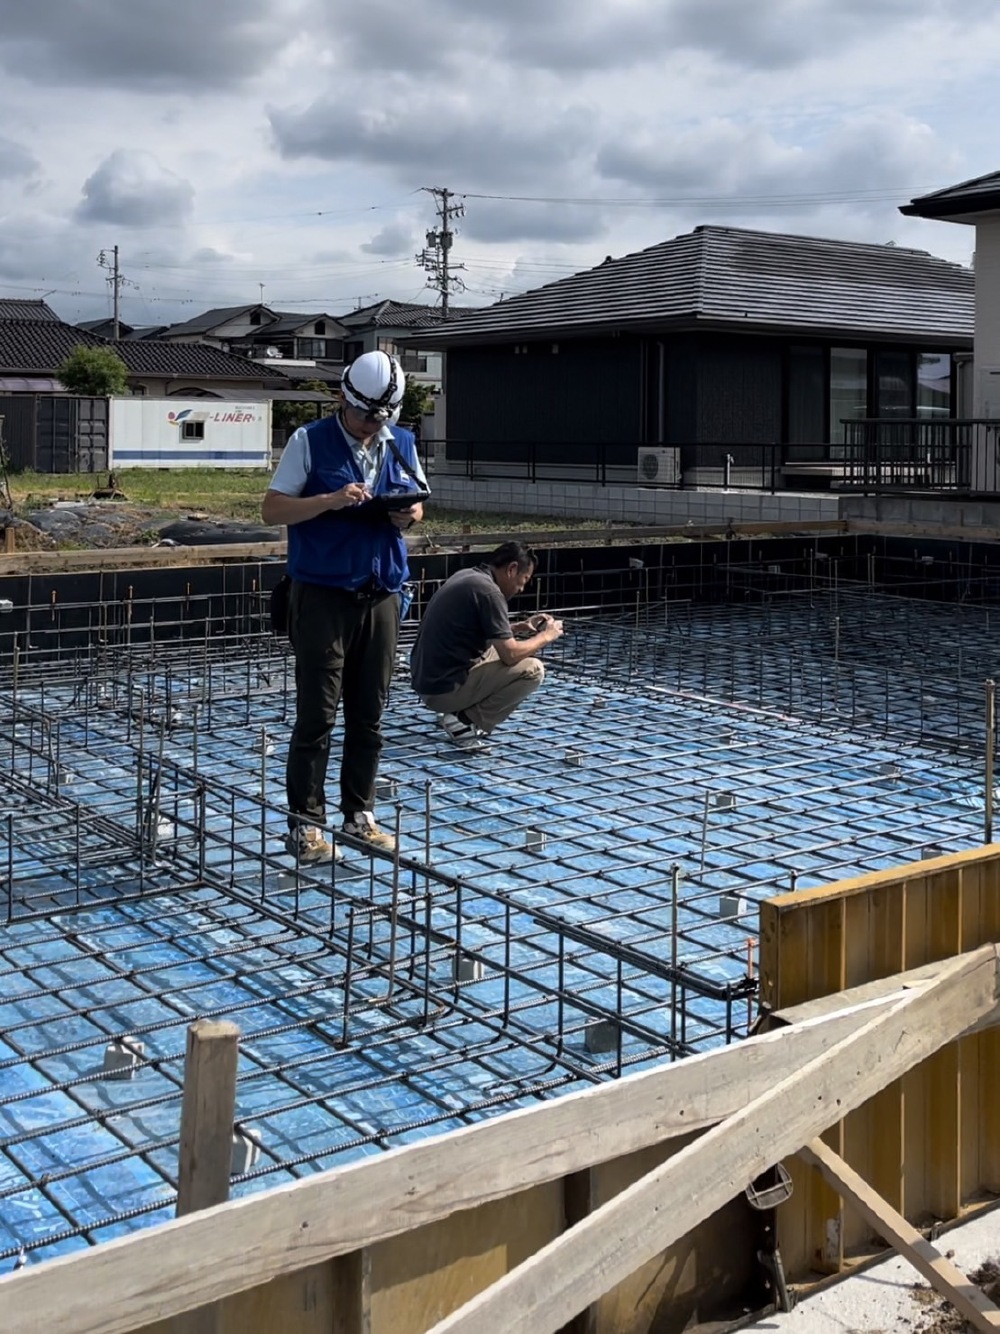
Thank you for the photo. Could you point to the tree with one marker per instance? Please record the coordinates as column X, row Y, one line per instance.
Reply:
column 287, row 415
column 417, row 400
column 96, row 371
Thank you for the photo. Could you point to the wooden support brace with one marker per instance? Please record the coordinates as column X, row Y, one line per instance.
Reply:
column 564, row 1277
column 944, row 1277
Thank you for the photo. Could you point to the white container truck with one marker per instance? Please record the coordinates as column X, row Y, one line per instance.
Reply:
column 189, row 433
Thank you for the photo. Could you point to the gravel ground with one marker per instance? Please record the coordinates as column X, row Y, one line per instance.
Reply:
column 892, row 1296
column 109, row 523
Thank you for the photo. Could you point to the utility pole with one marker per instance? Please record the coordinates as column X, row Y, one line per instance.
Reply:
column 435, row 257
column 117, row 282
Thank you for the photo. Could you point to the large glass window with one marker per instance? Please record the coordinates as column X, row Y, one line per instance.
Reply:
column 848, row 389
column 933, row 384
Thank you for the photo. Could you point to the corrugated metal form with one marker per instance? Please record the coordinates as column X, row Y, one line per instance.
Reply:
column 730, row 277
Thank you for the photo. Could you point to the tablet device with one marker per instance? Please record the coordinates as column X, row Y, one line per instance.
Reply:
column 401, row 500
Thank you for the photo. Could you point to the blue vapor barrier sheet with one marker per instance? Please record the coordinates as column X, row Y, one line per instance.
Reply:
column 575, row 903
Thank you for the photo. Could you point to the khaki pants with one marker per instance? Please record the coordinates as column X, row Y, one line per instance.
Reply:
column 491, row 692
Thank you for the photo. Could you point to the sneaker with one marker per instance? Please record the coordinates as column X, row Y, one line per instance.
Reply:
column 464, row 735
column 362, row 826
column 308, row 846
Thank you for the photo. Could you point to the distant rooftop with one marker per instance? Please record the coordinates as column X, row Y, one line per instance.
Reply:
column 398, row 315
column 15, row 309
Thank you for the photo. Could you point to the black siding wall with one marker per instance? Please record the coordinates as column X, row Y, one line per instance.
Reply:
column 589, row 391
column 740, row 390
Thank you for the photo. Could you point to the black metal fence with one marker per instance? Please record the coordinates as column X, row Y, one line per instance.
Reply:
column 754, row 467
column 917, row 454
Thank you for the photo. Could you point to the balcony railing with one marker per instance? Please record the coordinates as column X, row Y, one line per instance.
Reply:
column 882, row 456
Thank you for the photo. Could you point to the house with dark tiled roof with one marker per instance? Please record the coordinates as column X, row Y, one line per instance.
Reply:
column 31, row 352
column 105, row 328
column 385, row 325
column 719, row 338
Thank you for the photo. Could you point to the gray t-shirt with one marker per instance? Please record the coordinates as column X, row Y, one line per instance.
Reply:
column 463, row 616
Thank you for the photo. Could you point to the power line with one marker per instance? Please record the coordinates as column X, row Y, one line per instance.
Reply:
column 853, row 196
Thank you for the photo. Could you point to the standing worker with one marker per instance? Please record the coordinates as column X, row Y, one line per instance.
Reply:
column 347, row 487
column 468, row 663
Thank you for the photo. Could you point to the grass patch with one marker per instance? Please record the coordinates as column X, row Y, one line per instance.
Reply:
column 236, row 493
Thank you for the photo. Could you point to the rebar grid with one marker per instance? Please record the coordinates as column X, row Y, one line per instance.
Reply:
column 577, row 903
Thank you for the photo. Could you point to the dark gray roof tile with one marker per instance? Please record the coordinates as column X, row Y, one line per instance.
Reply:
column 728, row 276
column 40, row 345
column 16, row 309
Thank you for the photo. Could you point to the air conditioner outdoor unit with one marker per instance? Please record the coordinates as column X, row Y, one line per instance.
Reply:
column 659, row 467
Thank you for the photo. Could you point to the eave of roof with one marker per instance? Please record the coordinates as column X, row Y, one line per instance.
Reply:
column 967, row 202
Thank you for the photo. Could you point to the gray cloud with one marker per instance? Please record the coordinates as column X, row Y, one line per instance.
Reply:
column 427, row 134
column 563, row 35
column 721, row 160
column 133, row 190
column 143, row 44
column 395, row 239
column 16, row 162
column 503, row 220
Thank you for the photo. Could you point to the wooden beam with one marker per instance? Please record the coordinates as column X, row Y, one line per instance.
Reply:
column 207, row 1115
column 247, row 1242
column 138, row 558
column 538, row 1297
column 937, row 531
column 944, row 1277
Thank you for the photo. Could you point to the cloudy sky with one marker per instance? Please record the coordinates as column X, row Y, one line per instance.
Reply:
column 234, row 148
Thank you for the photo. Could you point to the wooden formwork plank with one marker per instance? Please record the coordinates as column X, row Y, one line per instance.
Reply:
column 989, row 1115
column 942, row 1275
column 568, row 1274
column 204, row 1257
column 417, row 1278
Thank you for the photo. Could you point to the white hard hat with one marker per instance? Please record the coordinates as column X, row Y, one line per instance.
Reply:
column 375, row 382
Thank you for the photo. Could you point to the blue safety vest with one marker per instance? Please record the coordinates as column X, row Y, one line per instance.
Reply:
column 344, row 548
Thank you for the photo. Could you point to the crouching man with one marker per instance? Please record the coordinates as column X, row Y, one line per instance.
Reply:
column 468, row 663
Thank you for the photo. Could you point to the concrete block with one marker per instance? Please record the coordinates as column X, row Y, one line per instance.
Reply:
column 465, row 969
column 121, row 1059
column 601, row 1036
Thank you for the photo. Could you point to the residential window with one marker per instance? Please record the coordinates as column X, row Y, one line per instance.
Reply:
column 933, row 384
column 848, row 389
column 311, row 347
column 192, row 430
column 894, row 384
column 319, row 327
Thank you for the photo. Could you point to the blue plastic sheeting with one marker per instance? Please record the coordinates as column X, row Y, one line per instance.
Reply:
column 588, row 799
